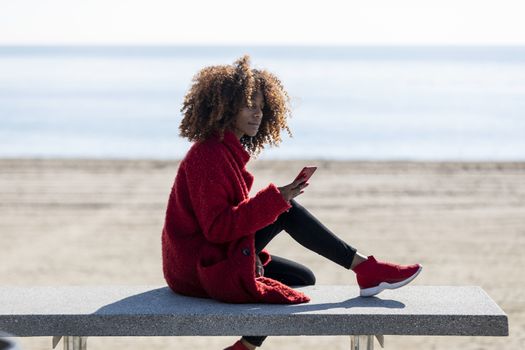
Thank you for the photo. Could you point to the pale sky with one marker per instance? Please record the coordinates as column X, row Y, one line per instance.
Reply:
column 273, row 22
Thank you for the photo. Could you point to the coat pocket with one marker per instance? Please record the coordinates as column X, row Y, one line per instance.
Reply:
column 228, row 274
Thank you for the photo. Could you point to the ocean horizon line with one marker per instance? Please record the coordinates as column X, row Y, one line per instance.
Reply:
column 263, row 159
column 346, row 52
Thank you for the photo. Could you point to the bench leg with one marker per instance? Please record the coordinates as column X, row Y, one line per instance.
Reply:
column 75, row 343
column 365, row 342
column 362, row 342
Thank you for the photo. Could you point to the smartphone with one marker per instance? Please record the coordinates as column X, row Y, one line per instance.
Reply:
column 308, row 171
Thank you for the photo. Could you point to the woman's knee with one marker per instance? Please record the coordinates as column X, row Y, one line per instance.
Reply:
column 308, row 277
column 285, row 217
column 295, row 205
column 304, row 276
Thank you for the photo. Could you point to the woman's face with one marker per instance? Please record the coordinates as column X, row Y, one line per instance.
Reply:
column 248, row 119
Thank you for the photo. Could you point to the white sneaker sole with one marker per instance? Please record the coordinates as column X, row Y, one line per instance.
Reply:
column 368, row 292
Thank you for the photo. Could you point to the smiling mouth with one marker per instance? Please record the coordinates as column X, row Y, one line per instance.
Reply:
column 257, row 125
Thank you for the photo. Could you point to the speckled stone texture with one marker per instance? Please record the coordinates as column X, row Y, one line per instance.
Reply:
column 333, row 310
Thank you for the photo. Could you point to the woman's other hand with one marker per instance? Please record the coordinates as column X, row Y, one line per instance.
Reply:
column 294, row 189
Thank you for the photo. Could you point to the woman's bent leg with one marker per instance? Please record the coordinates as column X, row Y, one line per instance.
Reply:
column 308, row 231
column 289, row 272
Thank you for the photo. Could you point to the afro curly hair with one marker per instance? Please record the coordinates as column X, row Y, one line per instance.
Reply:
column 218, row 93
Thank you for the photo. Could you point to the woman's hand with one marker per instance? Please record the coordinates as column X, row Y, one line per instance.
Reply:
column 259, row 268
column 294, row 189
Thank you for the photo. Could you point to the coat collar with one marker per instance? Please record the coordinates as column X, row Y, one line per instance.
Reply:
column 236, row 148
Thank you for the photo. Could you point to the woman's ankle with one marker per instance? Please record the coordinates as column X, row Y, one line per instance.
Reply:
column 358, row 259
column 247, row 344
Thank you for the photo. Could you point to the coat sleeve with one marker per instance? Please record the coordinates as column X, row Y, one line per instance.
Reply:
column 222, row 220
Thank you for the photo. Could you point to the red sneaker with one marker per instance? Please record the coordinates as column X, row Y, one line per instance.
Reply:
column 237, row 346
column 375, row 276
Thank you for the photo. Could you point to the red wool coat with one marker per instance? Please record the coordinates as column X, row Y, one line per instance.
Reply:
column 209, row 232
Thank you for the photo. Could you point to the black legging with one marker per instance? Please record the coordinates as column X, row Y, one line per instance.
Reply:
column 310, row 233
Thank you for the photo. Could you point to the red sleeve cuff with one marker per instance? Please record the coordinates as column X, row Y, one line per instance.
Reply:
column 279, row 199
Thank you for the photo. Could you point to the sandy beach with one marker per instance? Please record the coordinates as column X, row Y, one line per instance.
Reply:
column 98, row 222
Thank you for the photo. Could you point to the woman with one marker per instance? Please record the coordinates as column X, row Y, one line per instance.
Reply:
column 215, row 234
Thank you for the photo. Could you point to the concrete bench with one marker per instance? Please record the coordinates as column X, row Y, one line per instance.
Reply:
column 80, row 312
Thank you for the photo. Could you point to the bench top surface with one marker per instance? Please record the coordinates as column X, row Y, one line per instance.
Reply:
column 333, row 310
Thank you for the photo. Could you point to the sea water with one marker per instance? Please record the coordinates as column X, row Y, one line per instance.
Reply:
column 394, row 103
